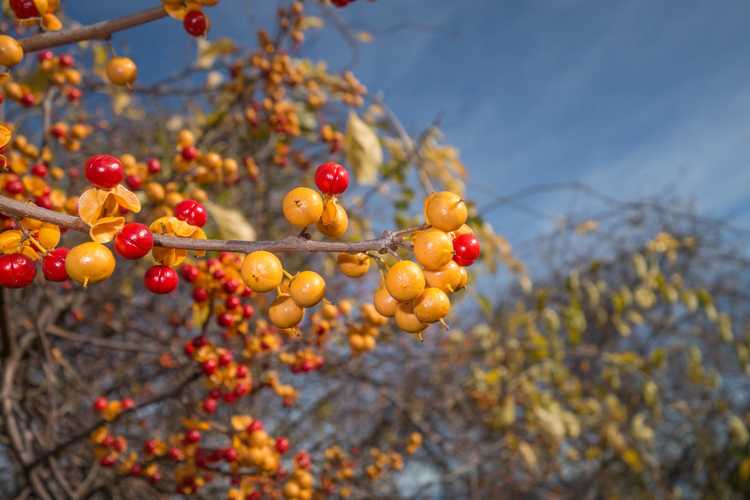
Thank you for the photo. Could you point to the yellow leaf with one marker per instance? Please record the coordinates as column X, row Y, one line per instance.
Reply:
column 127, row 199
column 633, row 459
column 50, row 22
column 49, row 236
column 105, row 229
column 528, row 454
column 5, row 135
column 89, row 206
column 363, row 150
column 232, row 223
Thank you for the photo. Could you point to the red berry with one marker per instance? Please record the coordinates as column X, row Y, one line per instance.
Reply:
column 467, row 247
column 14, row 186
column 16, row 270
column 189, row 272
column 189, row 349
column 230, row 454
column 134, row 182
column 192, row 436
column 218, row 274
column 282, row 445
column 44, row 201
column 225, row 320
column 104, row 171
column 53, row 265
column 28, row 100
column 57, row 131
column 341, row 3
column 73, row 94
column 149, row 447
column 24, row 9
column 108, row 460
column 66, row 60
column 303, row 460
column 461, row 261
column 189, row 153
column 153, row 165
column 231, row 286
column 134, row 241
column 209, row 405
column 331, row 178
column 195, row 23
column 247, row 311
column 209, row 367
column 100, row 403
column 39, row 169
column 46, row 55
column 214, row 393
column 199, row 341
column 191, row 212
column 242, row 371
column 176, row 454
column 161, row 279
column 128, row 403
column 232, row 302
column 255, row 425
column 200, row 294
column 225, row 358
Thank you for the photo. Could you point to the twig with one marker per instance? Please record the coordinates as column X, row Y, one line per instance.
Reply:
column 99, row 31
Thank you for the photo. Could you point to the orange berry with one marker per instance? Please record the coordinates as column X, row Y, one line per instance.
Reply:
column 353, row 265
column 405, row 280
column 307, row 288
column 11, row 52
column 284, row 312
column 302, row 206
column 407, row 320
column 433, row 248
column 384, row 302
column 121, row 71
column 89, row 262
column 432, row 305
column 446, row 278
column 262, row 271
column 334, row 221
column 372, row 316
column 446, row 211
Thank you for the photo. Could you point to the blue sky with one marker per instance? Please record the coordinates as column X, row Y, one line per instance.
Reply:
column 633, row 97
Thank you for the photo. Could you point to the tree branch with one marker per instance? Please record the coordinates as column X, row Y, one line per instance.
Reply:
column 388, row 241
column 99, row 31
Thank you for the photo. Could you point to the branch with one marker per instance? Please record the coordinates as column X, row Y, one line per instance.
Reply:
column 389, row 240
column 99, row 31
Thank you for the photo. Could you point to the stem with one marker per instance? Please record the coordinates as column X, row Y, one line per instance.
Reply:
column 387, row 242
column 99, row 31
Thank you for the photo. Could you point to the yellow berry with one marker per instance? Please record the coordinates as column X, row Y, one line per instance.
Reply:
column 89, row 262
column 302, row 206
column 262, row 271
column 11, row 52
column 446, row 211
column 121, row 71
column 464, row 278
column 405, row 280
column 284, row 312
column 446, row 278
column 384, row 302
column 353, row 265
column 307, row 288
column 407, row 320
column 334, row 221
column 432, row 305
column 372, row 316
column 433, row 248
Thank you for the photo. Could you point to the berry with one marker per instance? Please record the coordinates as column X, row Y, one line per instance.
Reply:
column 45, row 55
column 262, row 271
column 353, row 265
column 247, row 311
column 14, row 186
column 28, row 100
column 153, row 165
column 255, row 426
column 128, row 403
column 334, row 221
column 100, row 403
column 432, row 305
column 307, row 289
column 407, row 320
column 209, row 367
column 189, row 153
column 44, row 201
column 331, row 178
column 302, row 206
column 104, row 171
column 121, row 71
column 225, row 358
column 39, row 170
column 53, row 265
column 24, row 9
column 384, row 303
column 134, row 241
column 16, row 270
column 282, row 445
column 405, row 280
column 232, row 302
column 284, row 312
column 200, row 294
column 195, row 23
column 225, row 320
column 11, row 52
column 242, row 371
column 192, row 436
column 229, row 455
column 466, row 248
column 189, row 272
column 445, row 211
column 191, row 212
column 446, row 278
column 230, row 286
column 89, row 262
column 161, row 279
column 134, row 182
column 66, row 61
column 432, row 248
column 209, row 405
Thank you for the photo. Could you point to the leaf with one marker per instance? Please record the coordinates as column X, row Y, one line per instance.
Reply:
column 209, row 51
column 5, row 134
column 363, row 150
column 232, row 223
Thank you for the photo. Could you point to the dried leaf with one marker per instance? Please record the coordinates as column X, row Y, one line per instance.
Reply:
column 232, row 223
column 363, row 150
